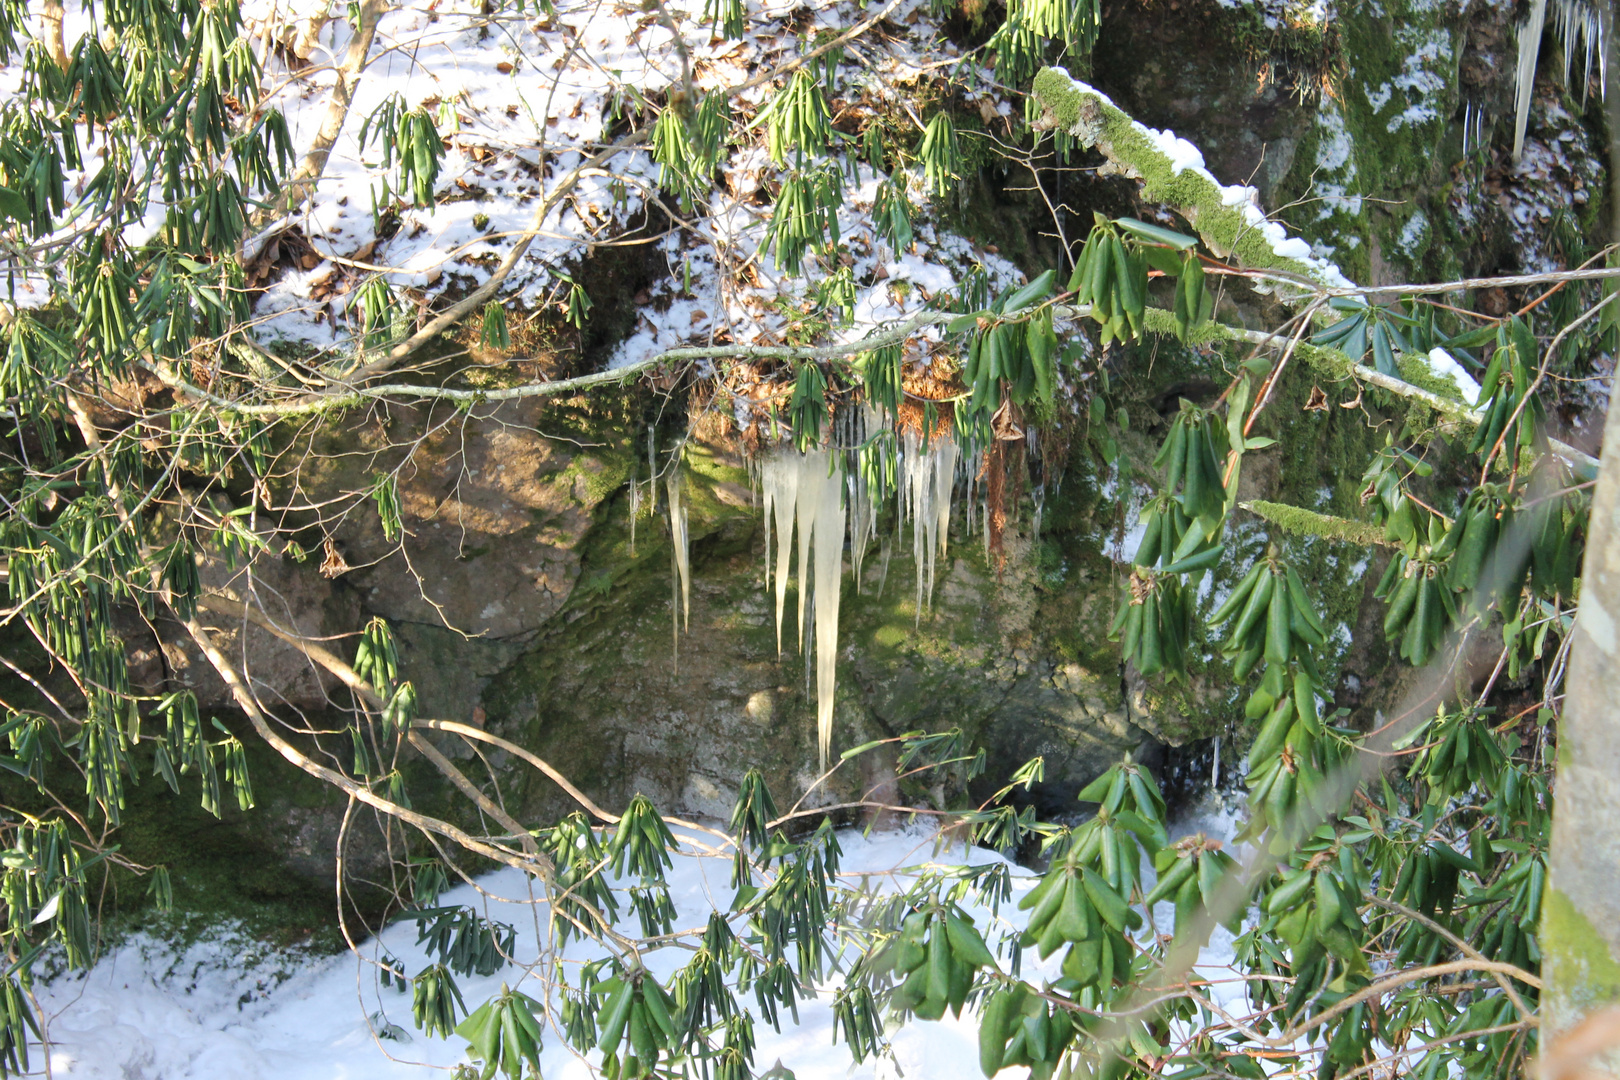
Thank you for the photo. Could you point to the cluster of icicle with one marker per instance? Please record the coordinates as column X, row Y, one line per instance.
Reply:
column 815, row 503
column 813, row 495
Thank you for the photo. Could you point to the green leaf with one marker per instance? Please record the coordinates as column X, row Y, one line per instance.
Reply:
column 1156, row 234
column 1028, row 294
column 13, row 205
column 857, row 751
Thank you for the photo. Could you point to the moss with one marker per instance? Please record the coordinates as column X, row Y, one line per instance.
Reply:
column 1416, row 370
column 1159, row 321
column 603, row 473
column 889, row 637
column 1088, row 116
column 1303, row 522
column 1374, row 179
column 1586, row 972
column 233, row 870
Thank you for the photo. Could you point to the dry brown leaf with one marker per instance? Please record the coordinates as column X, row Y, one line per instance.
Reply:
column 333, row 564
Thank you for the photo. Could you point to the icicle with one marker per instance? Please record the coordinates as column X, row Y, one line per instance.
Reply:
column 970, row 483
column 652, row 467
column 1525, row 72
column 883, row 565
column 862, row 521
column 939, row 531
column 829, row 543
column 635, row 512
column 681, row 554
column 807, row 632
column 781, row 480
column 755, row 469
column 812, row 478
column 807, row 491
column 915, row 488
column 867, row 469
column 927, row 479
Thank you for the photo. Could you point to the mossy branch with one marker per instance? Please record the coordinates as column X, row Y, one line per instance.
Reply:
column 1131, row 149
column 1335, row 362
column 1304, row 522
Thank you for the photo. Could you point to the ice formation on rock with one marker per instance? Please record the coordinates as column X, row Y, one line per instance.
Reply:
column 927, row 475
column 828, row 529
column 813, row 497
column 804, row 495
column 780, row 483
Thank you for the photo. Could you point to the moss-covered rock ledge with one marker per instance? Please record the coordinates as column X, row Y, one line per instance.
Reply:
column 1172, row 173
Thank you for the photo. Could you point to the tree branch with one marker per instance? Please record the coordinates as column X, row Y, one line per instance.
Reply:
column 356, row 395
column 537, row 864
column 1466, row 949
column 301, row 186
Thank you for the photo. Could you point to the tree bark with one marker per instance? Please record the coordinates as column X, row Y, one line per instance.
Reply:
column 1580, row 914
column 1580, row 919
column 51, row 22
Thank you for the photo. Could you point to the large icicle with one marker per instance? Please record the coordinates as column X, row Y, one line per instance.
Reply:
column 812, row 478
column 781, row 483
column 805, row 492
column 926, row 479
column 944, row 480
column 829, row 542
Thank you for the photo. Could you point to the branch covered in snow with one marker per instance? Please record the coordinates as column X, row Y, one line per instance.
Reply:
column 1172, row 171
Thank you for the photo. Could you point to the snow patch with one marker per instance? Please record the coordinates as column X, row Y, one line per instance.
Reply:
column 200, row 1013
column 1444, row 364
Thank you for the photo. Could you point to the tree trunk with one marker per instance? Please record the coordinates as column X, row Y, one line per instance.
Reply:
column 301, row 185
column 51, row 23
column 1580, row 914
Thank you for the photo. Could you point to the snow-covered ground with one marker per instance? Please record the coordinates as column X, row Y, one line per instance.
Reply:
column 522, row 105
column 146, row 1012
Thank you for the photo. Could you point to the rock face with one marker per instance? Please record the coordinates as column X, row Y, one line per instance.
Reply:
column 162, row 656
column 494, row 512
column 521, row 606
column 524, row 603
column 609, row 696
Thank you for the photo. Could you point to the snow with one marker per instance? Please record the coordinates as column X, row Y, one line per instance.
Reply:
column 1445, row 364
column 1335, row 169
column 1281, row 14
column 1412, row 233
column 1239, row 195
column 208, row 1011
column 1426, row 71
column 1183, row 155
column 520, row 102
